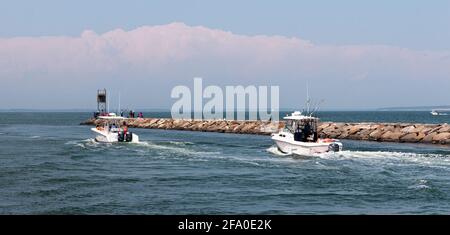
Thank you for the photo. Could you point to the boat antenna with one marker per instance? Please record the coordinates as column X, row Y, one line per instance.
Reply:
column 308, row 100
column 317, row 107
column 118, row 109
column 107, row 105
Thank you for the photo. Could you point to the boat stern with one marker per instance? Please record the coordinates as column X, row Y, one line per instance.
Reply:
column 335, row 147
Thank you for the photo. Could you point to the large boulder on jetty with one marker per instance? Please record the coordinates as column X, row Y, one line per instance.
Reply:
column 412, row 137
column 270, row 127
column 433, row 129
column 169, row 124
column 444, row 128
column 331, row 131
column 374, row 127
column 222, row 127
column 177, row 122
column 391, row 136
column 163, row 124
column 425, row 130
column 339, row 125
column 231, row 127
column 364, row 134
column 186, row 125
column 323, row 126
column 387, row 128
column 417, row 129
column 408, row 129
column 428, row 138
column 198, row 126
column 248, row 128
column 354, row 129
column 153, row 123
column 238, row 128
column 441, row 138
column 159, row 122
column 375, row 135
column 343, row 135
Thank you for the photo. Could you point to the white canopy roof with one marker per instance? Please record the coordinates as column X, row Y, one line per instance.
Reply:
column 298, row 116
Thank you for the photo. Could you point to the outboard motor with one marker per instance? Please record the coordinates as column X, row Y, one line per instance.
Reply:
column 129, row 137
column 333, row 147
column 120, row 136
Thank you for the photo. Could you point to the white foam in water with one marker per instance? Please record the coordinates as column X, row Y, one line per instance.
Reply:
column 434, row 160
column 379, row 154
column 175, row 147
column 397, row 158
column 276, row 151
column 84, row 143
column 422, row 184
column 178, row 147
column 81, row 145
column 181, row 143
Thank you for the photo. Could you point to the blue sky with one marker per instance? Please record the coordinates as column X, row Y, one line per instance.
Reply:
column 354, row 54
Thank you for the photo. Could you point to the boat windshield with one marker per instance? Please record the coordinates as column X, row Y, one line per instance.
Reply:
column 304, row 130
column 289, row 126
column 112, row 125
column 294, row 125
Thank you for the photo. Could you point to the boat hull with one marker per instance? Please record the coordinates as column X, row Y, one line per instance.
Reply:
column 112, row 137
column 289, row 146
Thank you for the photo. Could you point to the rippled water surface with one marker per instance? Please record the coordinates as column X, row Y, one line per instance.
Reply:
column 50, row 164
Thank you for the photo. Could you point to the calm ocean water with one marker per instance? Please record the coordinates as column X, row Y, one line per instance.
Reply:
column 50, row 165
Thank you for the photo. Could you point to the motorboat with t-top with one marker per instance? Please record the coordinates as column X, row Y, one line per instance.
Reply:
column 437, row 112
column 114, row 130
column 300, row 137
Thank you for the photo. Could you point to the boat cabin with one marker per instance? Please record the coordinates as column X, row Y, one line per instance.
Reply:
column 304, row 128
column 112, row 123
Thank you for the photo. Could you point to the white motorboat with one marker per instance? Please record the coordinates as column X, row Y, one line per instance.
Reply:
column 438, row 112
column 300, row 137
column 113, row 131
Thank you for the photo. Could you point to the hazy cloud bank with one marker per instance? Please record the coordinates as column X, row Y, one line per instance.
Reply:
column 151, row 59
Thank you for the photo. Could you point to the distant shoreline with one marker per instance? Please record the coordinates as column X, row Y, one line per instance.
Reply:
column 417, row 108
column 168, row 111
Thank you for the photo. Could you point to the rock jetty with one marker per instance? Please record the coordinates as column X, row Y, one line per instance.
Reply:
column 383, row 132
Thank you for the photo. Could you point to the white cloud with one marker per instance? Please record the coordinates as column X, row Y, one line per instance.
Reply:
column 152, row 47
column 178, row 51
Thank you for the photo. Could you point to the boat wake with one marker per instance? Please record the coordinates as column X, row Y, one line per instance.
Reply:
column 435, row 159
column 183, row 143
column 384, row 155
column 176, row 147
column 86, row 143
column 274, row 150
column 192, row 152
column 146, row 148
